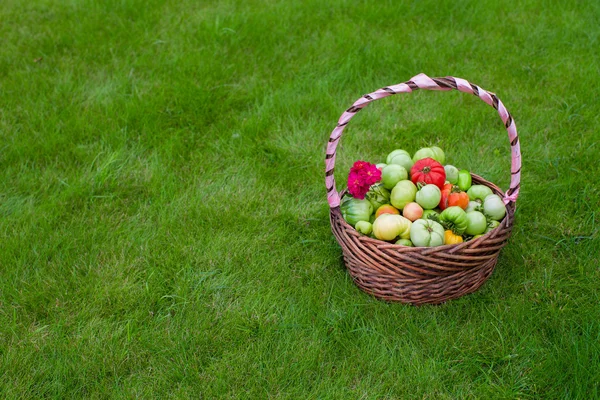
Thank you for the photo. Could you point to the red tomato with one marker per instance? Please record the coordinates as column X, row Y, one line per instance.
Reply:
column 427, row 170
column 445, row 193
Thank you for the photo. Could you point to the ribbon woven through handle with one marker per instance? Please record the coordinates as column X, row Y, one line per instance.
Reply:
column 422, row 81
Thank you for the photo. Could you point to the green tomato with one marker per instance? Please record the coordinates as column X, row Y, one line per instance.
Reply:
column 479, row 192
column 429, row 196
column 363, row 227
column 473, row 206
column 390, row 226
column 455, row 219
column 451, row 174
column 381, row 166
column 492, row 225
column 378, row 195
column 404, row 242
column 494, row 207
column 393, row 174
column 433, row 213
column 425, row 152
column 464, row 180
column 354, row 210
column 403, row 160
column 476, row 223
column 403, row 193
column 439, row 155
column 394, row 153
column 426, row 233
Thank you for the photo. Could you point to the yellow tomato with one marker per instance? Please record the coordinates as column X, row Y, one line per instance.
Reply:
column 451, row 238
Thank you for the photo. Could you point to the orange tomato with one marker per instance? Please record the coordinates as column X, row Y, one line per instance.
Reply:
column 386, row 209
column 453, row 196
column 460, row 199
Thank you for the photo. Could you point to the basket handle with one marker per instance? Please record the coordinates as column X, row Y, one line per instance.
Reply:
column 422, row 81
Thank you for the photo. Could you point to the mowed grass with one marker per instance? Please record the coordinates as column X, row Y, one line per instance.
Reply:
column 164, row 227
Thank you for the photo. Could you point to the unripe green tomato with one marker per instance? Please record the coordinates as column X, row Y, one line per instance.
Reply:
column 427, row 213
column 494, row 207
column 464, row 180
column 476, row 223
column 429, row 196
column 451, row 174
column 392, row 174
column 492, row 225
column 426, row 233
column 479, row 192
column 403, row 193
column 394, row 153
column 403, row 160
column 364, row 227
column 439, row 155
column 425, row 152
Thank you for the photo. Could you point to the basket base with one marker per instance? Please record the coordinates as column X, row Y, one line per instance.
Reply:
column 416, row 292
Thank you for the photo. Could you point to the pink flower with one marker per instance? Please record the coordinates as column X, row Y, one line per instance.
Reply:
column 362, row 175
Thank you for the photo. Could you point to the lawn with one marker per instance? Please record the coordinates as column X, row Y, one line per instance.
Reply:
column 164, row 227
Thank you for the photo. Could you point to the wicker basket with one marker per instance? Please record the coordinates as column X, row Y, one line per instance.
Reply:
column 422, row 275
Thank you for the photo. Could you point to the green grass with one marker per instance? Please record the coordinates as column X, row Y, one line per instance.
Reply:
column 164, row 227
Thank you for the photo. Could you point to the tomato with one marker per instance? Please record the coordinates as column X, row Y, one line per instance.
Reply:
column 404, row 242
column 426, row 233
column 386, row 209
column 451, row 174
column 429, row 196
column 473, row 206
column 460, row 199
column 453, row 196
column 363, row 227
column 439, row 155
column 425, row 152
column 451, row 238
column 392, row 174
column 430, row 152
column 433, row 213
column 479, row 192
column 427, row 170
column 390, row 226
column 412, row 211
column 378, row 195
column 354, row 210
column 394, row 153
column 494, row 207
column 403, row 193
column 381, row 166
column 492, row 225
column 445, row 193
column 464, row 180
column 403, row 160
column 455, row 219
column 476, row 223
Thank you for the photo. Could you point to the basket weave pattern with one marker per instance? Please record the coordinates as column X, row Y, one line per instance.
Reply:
column 422, row 275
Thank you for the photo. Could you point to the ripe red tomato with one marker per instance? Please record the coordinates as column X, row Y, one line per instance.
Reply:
column 427, row 170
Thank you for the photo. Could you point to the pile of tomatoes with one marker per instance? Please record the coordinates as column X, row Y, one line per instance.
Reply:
column 419, row 201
